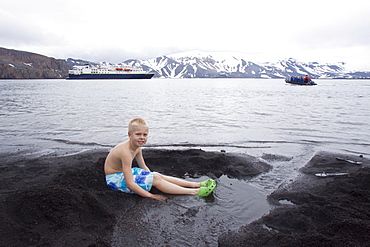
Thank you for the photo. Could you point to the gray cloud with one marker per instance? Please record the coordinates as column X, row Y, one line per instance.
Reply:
column 93, row 31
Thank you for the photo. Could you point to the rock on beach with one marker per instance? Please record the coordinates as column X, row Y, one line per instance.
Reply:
column 330, row 211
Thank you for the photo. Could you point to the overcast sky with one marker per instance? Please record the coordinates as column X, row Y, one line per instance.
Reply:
column 116, row 30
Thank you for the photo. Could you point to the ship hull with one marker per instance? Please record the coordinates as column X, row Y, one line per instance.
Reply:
column 301, row 82
column 108, row 76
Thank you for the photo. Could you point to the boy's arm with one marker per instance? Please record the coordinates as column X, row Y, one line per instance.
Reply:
column 136, row 188
column 126, row 169
column 140, row 160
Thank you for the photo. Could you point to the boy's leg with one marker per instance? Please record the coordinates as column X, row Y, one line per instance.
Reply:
column 180, row 182
column 172, row 188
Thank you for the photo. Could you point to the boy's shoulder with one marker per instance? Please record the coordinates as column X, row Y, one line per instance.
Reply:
column 120, row 149
column 122, row 145
column 124, row 149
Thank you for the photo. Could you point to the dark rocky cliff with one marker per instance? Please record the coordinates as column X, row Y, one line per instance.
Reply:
column 26, row 65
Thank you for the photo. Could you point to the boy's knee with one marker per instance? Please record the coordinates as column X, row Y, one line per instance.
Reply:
column 158, row 175
column 157, row 178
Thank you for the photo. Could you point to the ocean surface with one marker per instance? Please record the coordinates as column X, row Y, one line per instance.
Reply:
column 282, row 124
column 253, row 116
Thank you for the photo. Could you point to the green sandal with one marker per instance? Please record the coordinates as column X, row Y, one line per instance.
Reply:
column 207, row 183
column 205, row 191
column 207, row 187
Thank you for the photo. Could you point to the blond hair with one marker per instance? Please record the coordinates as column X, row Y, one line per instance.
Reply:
column 136, row 122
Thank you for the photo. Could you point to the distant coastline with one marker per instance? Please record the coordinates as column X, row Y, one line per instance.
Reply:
column 16, row 64
column 26, row 65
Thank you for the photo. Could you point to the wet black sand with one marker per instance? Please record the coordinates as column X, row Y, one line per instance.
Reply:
column 63, row 201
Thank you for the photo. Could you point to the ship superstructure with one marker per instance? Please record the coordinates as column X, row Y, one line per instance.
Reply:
column 104, row 71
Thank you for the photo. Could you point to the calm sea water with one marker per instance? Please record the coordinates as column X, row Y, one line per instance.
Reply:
column 253, row 116
column 260, row 117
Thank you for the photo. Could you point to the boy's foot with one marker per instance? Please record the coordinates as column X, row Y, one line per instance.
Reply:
column 206, row 191
column 207, row 183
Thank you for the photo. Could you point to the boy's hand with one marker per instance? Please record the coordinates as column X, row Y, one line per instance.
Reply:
column 158, row 197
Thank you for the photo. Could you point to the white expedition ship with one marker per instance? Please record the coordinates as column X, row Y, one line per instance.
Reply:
column 107, row 72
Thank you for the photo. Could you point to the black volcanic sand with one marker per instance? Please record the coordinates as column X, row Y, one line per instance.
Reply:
column 313, row 211
column 64, row 201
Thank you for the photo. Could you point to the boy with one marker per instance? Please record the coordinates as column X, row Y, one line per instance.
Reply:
column 120, row 175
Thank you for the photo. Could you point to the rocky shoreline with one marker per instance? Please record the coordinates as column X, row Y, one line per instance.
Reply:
column 315, row 211
column 63, row 201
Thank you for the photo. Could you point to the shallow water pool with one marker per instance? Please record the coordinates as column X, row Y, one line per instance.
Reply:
column 191, row 220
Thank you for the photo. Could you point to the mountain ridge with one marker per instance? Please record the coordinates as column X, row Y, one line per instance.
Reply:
column 192, row 64
column 16, row 64
column 224, row 65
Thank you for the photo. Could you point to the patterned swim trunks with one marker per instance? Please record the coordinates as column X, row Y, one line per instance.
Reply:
column 144, row 179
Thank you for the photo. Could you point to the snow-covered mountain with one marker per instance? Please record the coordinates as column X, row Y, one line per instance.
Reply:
column 197, row 64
